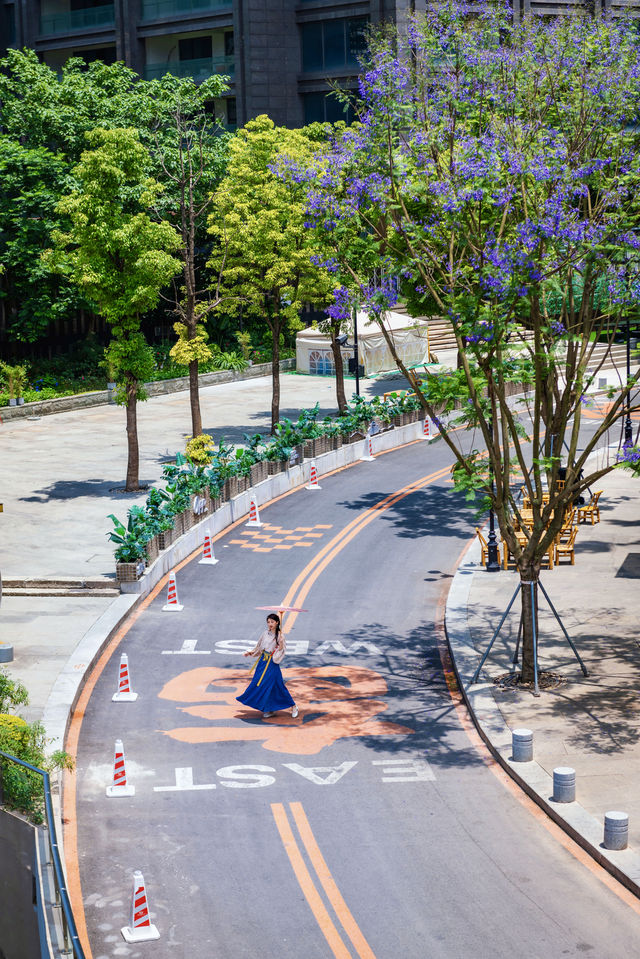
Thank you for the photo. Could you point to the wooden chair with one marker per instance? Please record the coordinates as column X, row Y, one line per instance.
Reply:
column 567, row 526
column 567, row 549
column 560, row 484
column 591, row 509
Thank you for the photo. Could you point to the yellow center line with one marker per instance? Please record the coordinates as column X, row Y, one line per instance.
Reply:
column 306, row 883
column 328, row 883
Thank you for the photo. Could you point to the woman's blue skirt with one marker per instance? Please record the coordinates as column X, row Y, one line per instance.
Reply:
column 271, row 694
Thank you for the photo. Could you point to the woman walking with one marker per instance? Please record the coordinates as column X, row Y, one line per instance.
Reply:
column 267, row 691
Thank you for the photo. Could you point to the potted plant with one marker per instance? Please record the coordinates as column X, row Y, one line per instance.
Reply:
column 130, row 550
column 15, row 378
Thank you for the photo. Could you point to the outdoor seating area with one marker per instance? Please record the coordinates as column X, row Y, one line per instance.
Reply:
column 561, row 548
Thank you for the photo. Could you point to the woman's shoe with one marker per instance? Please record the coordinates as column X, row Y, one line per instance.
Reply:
column 294, row 712
column 268, row 715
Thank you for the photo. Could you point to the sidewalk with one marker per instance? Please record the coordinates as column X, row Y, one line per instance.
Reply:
column 58, row 483
column 591, row 724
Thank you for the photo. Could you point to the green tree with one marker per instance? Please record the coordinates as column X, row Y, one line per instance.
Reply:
column 118, row 257
column 264, row 256
column 190, row 150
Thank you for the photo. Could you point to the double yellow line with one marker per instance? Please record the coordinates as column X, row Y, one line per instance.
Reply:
column 302, row 584
column 295, row 597
column 329, row 929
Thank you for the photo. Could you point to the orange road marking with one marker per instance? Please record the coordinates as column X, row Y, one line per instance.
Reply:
column 305, row 882
column 328, row 883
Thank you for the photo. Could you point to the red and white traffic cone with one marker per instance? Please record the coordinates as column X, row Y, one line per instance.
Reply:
column 141, row 928
column 208, row 556
column 254, row 515
column 125, row 694
column 426, row 429
column 313, row 479
column 172, row 605
column 119, row 786
column 367, row 454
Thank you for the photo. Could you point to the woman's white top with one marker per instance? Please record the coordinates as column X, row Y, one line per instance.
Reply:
column 267, row 641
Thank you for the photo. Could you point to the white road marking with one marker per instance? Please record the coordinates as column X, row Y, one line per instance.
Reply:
column 184, row 782
column 338, row 647
column 312, row 773
column 188, row 649
column 418, row 770
column 226, row 647
column 235, row 773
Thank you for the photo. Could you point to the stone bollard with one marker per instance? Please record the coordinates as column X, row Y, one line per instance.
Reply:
column 616, row 830
column 564, row 784
column 521, row 745
column 6, row 653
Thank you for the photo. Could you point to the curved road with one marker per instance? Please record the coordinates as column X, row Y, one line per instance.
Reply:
column 374, row 825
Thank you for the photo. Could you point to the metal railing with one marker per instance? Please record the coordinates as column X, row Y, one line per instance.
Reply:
column 102, row 16
column 70, row 933
column 155, row 9
column 200, row 69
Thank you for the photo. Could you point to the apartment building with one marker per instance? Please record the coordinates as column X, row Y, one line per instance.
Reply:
column 280, row 55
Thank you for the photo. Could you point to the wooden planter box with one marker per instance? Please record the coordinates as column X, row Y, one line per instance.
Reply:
column 232, row 486
column 259, row 472
column 276, row 466
column 335, row 442
column 129, row 572
column 186, row 520
column 299, row 449
column 165, row 539
column 151, row 549
column 398, row 419
column 199, row 507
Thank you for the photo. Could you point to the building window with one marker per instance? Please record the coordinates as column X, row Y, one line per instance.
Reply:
column 325, row 108
column 229, row 45
column 332, row 44
column 195, row 48
column 232, row 115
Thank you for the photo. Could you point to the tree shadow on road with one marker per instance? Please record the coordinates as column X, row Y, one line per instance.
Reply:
column 75, row 489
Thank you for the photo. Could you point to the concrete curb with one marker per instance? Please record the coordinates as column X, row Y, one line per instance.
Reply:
column 573, row 818
column 79, row 401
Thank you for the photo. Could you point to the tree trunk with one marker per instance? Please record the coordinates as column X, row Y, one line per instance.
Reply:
column 339, row 365
column 275, row 377
column 133, row 460
column 530, row 630
column 194, row 397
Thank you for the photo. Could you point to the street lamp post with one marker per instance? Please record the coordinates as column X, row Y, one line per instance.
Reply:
column 493, row 558
column 342, row 341
column 628, row 429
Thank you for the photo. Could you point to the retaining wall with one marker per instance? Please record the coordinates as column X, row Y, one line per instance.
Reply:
column 80, row 401
column 19, row 933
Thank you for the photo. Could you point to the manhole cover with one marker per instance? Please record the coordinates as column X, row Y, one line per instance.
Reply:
column 546, row 680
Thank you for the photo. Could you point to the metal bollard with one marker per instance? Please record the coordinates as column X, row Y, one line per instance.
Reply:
column 564, row 784
column 616, row 830
column 521, row 745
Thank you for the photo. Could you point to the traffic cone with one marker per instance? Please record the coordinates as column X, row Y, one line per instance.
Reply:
column 367, row 454
column 313, row 479
column 125, row 693
column 119, row 787
column 172, row 605
column 141, row 928
column 208, row 557
column 254, row 515
column 426, row 429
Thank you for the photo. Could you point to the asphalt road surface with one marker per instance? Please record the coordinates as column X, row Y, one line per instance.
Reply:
column 371, row 826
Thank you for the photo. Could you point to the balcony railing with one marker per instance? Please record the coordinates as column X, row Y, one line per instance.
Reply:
column 85, row 19
column 155, row 9
column 198, row 69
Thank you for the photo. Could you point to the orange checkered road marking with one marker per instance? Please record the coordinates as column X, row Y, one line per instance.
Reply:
column 276, row 537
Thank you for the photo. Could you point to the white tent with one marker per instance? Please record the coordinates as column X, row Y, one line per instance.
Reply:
column 410, row 338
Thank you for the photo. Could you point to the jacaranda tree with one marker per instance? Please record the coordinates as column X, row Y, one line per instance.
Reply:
column 495, row 172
